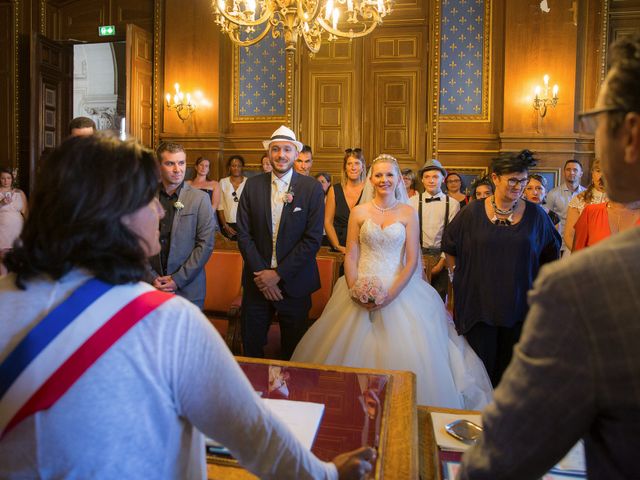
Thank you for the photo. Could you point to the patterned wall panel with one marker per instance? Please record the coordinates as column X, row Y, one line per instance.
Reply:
column 465, row 33
column 395, row 107
column 262, row 82
column 330, row 118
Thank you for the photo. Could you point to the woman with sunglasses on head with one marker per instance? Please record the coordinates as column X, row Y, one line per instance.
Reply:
column 231, row 188
column 343, row 196
column 455, row 188
column 496, row 247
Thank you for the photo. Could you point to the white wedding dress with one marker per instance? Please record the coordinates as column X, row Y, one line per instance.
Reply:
column 414, row 332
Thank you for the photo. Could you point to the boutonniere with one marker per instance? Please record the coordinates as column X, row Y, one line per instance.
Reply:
column 287, row 197
column 178, row 205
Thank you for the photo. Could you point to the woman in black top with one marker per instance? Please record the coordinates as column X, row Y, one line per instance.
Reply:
column 497, row 246
column 343, row 196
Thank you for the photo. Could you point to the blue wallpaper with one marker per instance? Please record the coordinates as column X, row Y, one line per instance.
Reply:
column 261, row 85
column 462, row 31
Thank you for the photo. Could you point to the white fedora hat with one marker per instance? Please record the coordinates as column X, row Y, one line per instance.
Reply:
column 282, row 134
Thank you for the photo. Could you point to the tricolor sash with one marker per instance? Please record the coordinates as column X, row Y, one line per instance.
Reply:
column 66, row 342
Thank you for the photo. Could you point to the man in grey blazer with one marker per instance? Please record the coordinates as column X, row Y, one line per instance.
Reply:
column 576, row 371
column 186, row 230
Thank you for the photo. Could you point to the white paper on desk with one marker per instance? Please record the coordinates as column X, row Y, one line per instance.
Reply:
column 443, row 439
column 302, row 418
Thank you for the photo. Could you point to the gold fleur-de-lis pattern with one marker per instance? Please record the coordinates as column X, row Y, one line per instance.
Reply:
column 262, row 79
column 462, row 49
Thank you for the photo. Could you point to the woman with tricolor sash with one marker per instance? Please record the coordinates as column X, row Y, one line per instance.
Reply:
column 101, row 375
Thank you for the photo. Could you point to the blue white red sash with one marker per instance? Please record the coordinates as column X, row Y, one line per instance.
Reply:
column 65, row 343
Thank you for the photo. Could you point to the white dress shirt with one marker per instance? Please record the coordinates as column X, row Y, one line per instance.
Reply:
column 558, row 201
column 227, row 202
column 279, row 186
column 433, row 217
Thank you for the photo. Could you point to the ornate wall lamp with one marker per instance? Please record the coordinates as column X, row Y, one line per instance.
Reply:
column 184, row 104
column 542, row 100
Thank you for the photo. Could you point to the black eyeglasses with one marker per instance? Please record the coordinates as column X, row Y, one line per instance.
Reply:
column 588, row 120
column 235, row 197
column 353, row 150
column 513, row 181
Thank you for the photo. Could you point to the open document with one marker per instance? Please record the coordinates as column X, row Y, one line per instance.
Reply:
column 302, row 418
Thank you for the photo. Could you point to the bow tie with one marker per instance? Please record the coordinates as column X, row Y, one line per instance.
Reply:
column 432, row 199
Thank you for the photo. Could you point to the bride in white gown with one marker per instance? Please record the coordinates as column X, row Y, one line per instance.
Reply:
column 410, row 329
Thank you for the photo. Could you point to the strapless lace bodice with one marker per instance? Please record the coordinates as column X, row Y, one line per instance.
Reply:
column 381, row 250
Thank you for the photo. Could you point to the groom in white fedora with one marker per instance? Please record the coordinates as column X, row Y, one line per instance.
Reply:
column 280, row 218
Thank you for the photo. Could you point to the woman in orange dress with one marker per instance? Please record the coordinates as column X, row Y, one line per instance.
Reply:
column 599, row 221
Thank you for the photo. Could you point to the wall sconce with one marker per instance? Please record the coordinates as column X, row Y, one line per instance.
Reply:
column 542, row 100
column 184, row 104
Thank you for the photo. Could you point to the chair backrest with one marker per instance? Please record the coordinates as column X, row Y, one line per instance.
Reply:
column 329, row 267
column 224, row 280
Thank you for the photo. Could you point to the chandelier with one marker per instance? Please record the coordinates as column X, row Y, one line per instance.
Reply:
column 246, row 22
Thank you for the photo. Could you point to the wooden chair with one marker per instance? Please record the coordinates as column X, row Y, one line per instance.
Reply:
column 329, row 268
column 224, row 290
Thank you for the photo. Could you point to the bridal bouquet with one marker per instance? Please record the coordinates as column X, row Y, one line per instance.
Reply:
column 369, row 290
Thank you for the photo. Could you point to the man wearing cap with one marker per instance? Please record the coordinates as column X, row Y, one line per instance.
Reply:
column 435, row 211
column 280, row 219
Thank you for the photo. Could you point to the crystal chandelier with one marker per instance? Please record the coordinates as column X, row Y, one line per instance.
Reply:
column 246, row 22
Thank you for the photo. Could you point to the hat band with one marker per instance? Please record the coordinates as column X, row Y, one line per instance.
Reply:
column 283, row 137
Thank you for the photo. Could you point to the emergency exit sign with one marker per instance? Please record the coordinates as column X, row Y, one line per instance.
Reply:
column 106, row 30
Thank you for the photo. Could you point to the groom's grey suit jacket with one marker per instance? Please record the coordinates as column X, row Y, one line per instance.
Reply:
column 192, row 238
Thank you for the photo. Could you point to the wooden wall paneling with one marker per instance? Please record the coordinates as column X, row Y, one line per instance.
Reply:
column 192, row 59
column 395, row 115
column 139, row 100
column 51, row 98
column 52, row 22
column 79, row 20
column 538, row 43
column 394, row 105
column 8, row 75
column 623, row 23
column 331, row 102
column 624, row 5
column 123, row 12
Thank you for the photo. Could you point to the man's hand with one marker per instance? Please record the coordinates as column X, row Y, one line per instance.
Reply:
column 165, row 284
column 355, row 464
column 266, row 279
column 272, row 293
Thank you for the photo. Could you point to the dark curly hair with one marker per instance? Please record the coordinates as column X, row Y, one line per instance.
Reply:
column 484, row 180
column 513, row 163
column 82, row 192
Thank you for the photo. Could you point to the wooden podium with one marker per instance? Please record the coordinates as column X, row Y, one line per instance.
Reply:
column 362, row 406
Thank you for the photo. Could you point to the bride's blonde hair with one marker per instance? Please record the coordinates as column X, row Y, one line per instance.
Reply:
column 386, row 158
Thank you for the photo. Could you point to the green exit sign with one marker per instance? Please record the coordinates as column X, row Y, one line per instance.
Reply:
column 106, row 30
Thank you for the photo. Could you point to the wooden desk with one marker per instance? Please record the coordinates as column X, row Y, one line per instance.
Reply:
column 427, row 447
column 398, row 439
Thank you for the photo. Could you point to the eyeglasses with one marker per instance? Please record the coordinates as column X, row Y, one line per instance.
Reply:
column 512, row 182
column 588, row 120
column 235, row 197
column 453, row 180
